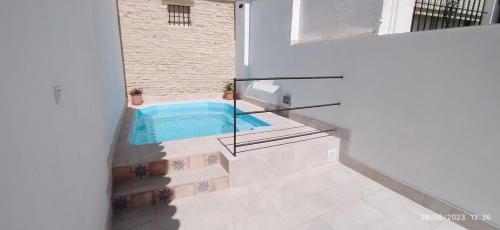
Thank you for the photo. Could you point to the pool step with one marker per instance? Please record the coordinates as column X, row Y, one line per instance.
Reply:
column 163, row 167
column 155, row 190
column 166, row 179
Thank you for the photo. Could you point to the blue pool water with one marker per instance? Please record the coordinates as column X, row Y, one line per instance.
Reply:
column 160, row 123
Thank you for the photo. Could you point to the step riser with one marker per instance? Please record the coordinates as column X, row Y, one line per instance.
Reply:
column 168, row 193
column 163, row 167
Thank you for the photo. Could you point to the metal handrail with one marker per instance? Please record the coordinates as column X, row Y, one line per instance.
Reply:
column 288, row 109
column 284, row 138
column 288, row 78
column 235, row 114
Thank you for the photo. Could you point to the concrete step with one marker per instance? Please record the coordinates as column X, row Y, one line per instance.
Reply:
column 170, row 166
column 164, row 189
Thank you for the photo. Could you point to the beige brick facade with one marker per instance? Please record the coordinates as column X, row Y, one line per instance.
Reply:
column 176, row 60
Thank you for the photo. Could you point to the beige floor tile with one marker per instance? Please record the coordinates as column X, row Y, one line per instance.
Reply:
column 313, row 224
column 369, row 186
column 307, row 185
column 263, row 220
column 272, row 197
column 215, row 215
column 393, row 205
column 169, row 212
column 448, row 225
column 195, row 202
column 169, row 224
column 342, row 196
column 234, row 193
column 147, row 226
column 352, row 217
column 330, row 197
column 303, row 209
column 342, row 175
column 133, row 217
column 402, row 219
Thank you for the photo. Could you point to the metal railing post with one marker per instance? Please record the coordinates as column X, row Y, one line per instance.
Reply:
column 234, row 117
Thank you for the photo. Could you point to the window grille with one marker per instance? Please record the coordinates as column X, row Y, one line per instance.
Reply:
column 179, row 15
column 442, row 14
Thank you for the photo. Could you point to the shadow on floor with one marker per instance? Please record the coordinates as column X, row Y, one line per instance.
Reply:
column 150, row 152
column 151, row 209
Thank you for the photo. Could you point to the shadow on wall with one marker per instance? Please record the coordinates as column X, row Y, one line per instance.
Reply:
column 138, row 210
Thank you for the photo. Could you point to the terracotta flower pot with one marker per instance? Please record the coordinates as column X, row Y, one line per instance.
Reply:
column 137, row 99
column 229, row 95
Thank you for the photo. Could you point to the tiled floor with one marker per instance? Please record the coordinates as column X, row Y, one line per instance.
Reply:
column 327, row 197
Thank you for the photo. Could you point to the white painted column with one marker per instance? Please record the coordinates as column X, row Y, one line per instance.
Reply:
column 396, row 16
column 294, row 36
column 242, row 19
column 246, row 52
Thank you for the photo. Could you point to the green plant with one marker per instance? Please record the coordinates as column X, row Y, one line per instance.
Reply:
column 136, row 91
column 228, row 86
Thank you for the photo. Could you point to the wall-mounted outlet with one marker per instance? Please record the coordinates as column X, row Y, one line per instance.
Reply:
column 333, row 155
column 287, row 99
column 58, row 94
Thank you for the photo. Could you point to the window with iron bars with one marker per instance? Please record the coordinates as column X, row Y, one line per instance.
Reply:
column 179, row 15
column 442, row 14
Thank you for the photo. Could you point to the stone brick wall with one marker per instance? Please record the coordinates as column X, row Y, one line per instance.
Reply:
column 177, row 60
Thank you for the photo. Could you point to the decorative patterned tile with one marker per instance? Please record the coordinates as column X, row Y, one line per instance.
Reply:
column 120, row 203
column 212, row 159
column 203, row 186
column 140, row 171
column 166, row 195
column 178, row 164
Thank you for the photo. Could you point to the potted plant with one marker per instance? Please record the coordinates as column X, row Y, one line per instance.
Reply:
column 229, row 91
column 136, row 95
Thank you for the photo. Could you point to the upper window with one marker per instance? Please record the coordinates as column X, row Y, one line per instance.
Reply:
column 179, row 15
column 434, row 14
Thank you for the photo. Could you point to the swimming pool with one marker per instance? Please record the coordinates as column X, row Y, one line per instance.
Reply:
column 160, row 123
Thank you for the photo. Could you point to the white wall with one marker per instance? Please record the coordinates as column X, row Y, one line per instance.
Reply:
column 422, row 107
column 241, row 42
column 53, row 159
